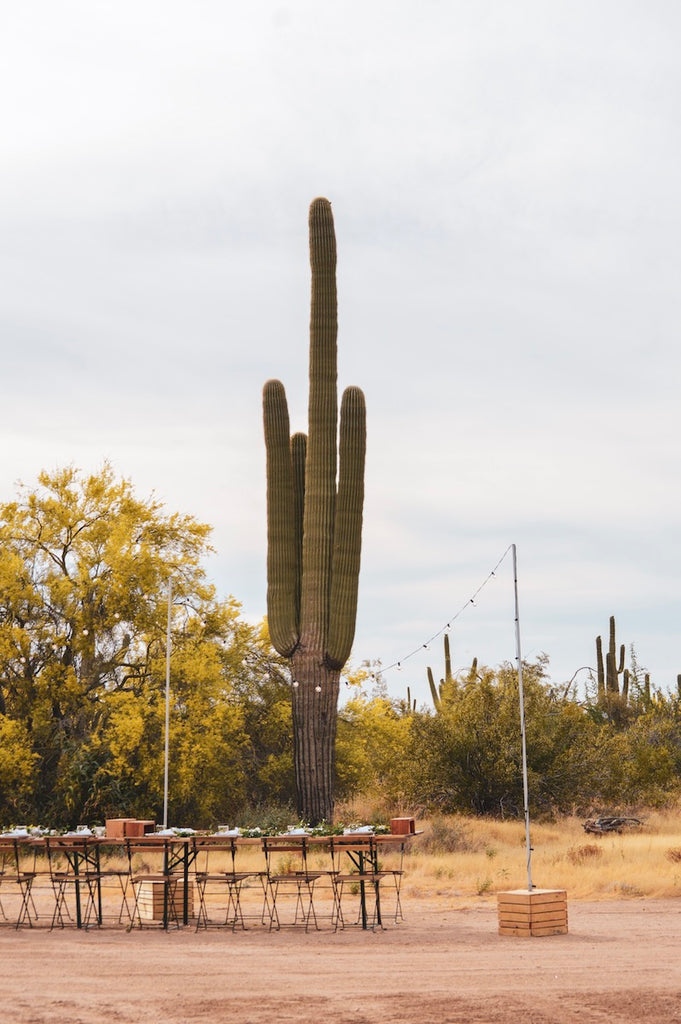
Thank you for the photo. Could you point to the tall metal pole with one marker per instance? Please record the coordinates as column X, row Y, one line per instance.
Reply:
column 521, row 696
column 167, row 725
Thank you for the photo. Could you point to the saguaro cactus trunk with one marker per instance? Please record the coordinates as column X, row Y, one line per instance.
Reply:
column 314, row 529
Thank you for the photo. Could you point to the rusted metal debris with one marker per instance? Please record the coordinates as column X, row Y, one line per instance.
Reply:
column 597, row 826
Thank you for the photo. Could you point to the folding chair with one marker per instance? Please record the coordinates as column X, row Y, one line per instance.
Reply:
column 157, row 895
column 220, row 889
column 363, row 878
column 294, row 878
column 2, row 878
column 386, row 844
column 104, row 873
column 71, row 876
column 14, row 873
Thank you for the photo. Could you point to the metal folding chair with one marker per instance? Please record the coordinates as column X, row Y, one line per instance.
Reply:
column 73, row 867
column 292, row 877
column 104, row 873
column 219, row 890
column 148, row 885
column 362, row 878
column 14, row 873
column 386, row 845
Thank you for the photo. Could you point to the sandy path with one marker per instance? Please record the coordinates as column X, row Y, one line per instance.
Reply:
column 620, row 962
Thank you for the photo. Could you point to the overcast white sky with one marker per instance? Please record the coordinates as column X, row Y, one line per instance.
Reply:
column 505, row 183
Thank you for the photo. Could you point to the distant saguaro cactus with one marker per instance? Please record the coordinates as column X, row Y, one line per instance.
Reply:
column 437, row 691
column 314, row 531
column 608, row 676
column 447, row 684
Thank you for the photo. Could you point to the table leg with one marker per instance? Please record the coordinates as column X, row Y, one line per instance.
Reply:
column 166, row 883
column 185, row 894
column 73, row 857
column 374, row 861
column 362, row 892
column 98, row 879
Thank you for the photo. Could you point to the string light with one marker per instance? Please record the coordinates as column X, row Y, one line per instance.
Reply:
column 445, row 629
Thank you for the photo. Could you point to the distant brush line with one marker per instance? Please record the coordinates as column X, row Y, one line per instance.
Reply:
column 452, row 619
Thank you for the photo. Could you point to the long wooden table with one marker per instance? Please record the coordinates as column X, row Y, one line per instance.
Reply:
column 83, row 873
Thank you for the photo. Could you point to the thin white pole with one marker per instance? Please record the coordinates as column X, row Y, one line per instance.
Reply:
column 521, row 696
column 167, row 725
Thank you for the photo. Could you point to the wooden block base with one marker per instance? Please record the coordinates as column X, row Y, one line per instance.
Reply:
column 150, row 900
column 536, row 913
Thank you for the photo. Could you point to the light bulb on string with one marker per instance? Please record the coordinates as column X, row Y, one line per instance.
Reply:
column 317, row 689
column 449, row 625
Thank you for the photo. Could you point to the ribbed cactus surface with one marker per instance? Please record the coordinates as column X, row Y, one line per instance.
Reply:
column 315, row 496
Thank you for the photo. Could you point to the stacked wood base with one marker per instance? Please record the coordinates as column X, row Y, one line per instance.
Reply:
column 535, row 913
column 150, row 900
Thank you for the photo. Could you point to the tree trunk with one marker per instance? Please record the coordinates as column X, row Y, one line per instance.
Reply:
column 315, row 693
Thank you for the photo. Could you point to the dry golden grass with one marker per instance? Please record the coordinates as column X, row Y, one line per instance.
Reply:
column 456, row 858
column 459, row 857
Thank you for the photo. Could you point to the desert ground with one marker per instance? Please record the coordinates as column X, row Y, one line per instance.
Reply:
column 446, row 962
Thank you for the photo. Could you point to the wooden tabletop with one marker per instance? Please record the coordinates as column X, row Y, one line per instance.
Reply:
column 154, row 839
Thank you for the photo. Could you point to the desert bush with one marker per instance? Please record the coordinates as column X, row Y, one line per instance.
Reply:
column 447, row 835
column 467, row 757
column 583, row 854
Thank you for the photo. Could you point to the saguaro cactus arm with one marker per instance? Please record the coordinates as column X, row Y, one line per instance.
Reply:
column 446, row 684
column 612, row 669
column 435, row 691
column 298, row 456
column 599, row 666
column 348, row 528
column 282, row 570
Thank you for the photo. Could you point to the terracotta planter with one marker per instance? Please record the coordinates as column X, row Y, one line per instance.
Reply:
column 402, row 826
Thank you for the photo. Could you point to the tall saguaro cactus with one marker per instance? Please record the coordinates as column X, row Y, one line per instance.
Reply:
column 314, row 531
column 607, row 676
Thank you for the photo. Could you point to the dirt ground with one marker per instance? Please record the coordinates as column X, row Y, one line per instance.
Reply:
column 620, row 962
